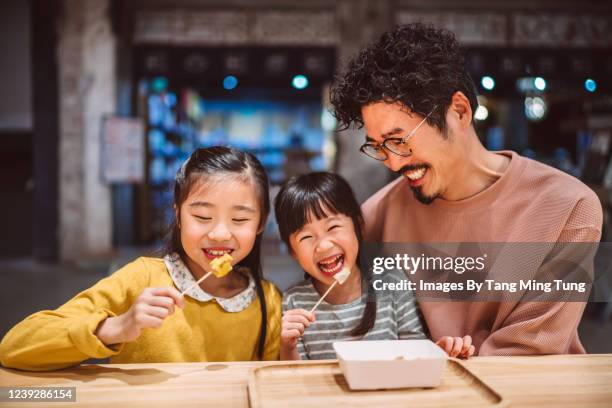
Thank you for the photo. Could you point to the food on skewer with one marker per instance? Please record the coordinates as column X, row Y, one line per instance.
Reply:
column 221, row 266
column 340, row 278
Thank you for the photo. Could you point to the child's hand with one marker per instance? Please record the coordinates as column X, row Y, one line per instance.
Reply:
column 293, row 325
column 457, row 346
column 148, row 311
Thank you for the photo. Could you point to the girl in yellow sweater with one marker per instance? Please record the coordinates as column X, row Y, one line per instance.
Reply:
column 138, row 314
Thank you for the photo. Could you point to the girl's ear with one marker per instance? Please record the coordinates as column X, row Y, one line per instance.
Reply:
column 262, row 225
column 177, row 215
column 293, row 255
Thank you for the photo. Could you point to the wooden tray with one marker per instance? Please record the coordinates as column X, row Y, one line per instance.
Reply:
column 321, row 384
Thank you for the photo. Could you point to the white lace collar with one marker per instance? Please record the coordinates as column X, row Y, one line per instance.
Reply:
column 183, row 279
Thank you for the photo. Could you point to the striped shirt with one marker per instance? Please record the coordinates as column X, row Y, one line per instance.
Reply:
column 397, row 318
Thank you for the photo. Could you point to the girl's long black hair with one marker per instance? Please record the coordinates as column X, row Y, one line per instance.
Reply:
column 316, row 194
column 215, row 161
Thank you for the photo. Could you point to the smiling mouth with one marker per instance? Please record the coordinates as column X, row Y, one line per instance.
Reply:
column 212, row 253
column 417, row 174
column 331, row 265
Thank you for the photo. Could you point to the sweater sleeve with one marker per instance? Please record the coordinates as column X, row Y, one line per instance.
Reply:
column 53, row 339
column 409, row 324
column 537, row 328
column 404, row 306
column 552, row 327
column 272, row 345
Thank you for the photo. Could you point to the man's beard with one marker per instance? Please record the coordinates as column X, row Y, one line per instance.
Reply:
column 418, row 194
column 418, row 191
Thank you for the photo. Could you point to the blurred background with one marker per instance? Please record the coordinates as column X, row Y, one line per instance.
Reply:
column 102, row 100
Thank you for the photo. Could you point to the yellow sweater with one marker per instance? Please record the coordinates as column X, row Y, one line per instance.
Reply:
column 201, row 331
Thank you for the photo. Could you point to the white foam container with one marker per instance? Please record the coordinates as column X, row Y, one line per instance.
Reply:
column 385, row 364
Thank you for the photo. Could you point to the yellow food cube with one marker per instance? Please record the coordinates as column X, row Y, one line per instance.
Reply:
column 222, row 265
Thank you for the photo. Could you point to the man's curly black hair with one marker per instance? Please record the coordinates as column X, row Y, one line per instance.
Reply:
column 415, row 64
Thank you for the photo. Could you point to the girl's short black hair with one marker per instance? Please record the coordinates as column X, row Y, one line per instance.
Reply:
column 320, row 195
column 206, row 164
column 315, row 194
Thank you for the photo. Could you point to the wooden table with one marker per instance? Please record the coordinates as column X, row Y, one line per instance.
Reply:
column 579, row 380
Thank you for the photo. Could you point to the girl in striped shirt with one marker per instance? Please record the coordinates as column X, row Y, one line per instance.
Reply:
column 320, row 221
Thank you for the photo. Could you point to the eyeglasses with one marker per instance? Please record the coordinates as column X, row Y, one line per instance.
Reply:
column 396, row 145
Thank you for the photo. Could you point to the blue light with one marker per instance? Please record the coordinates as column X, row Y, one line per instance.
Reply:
column 590, row 85
column 539, row 83
column 159, row 84
column 487, row 83
column 299, row 82
column 170, row 99
column 230, row 82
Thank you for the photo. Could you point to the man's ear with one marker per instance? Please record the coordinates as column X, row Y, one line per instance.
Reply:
column 460, row 111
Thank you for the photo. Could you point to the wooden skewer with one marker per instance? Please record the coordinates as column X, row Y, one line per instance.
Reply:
column 197, row 283
column 323, row 297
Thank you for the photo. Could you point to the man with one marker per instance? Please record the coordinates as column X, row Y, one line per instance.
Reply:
column 412, row 93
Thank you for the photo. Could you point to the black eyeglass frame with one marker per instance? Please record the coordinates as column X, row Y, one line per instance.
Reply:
column 382, row 147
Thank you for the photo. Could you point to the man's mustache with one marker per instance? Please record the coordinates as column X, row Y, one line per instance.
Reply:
column 410, row 167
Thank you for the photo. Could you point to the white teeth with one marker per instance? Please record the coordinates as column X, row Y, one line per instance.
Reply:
column 416, row 174
column 333, row 260
column 327, row 266
column 216, row 252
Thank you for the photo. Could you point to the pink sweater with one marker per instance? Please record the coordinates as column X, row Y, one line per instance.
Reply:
column 530, row 202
